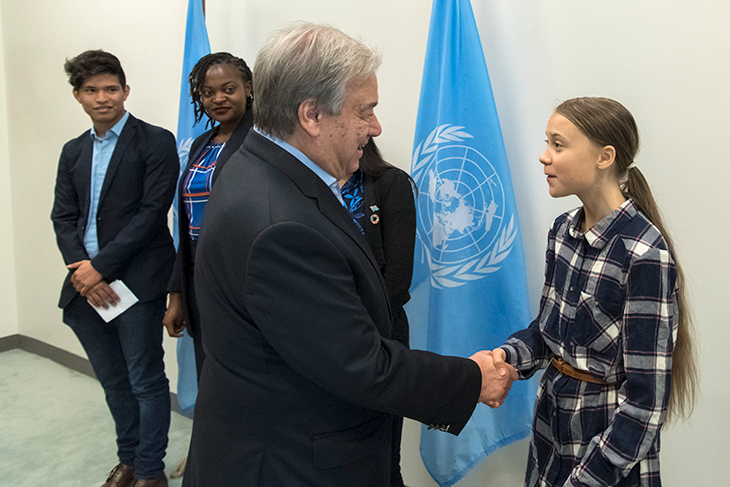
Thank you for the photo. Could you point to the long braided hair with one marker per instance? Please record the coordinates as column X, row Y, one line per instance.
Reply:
column 197, row 79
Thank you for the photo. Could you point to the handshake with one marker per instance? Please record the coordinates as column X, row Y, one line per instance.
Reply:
column 497, row 376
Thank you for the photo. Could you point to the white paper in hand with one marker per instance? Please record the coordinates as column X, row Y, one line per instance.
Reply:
column 126, row 296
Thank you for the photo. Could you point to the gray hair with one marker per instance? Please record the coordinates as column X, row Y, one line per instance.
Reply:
column 303, row 61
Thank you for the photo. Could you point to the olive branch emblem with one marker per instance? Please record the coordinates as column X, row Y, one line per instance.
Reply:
column 183, row 151
column 426, row 149
column 456, row 275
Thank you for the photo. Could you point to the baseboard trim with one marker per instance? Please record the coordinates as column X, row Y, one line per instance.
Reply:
column 58, row 355
column 61, row 357
column 9, row 343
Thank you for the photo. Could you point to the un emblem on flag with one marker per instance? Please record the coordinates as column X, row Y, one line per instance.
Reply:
column 183, row 151
column 462, row 223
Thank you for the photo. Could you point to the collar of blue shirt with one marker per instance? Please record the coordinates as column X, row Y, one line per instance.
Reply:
column 116, row 129
column 326, row 177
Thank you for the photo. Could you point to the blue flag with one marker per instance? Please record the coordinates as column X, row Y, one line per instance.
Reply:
column 196, row 46
column 469, row 289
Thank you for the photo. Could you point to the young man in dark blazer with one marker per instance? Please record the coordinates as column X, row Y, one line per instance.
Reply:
column 114, row 187
column 301, row 379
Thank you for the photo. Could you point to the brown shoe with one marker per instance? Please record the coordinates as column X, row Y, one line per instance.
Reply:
column 121, row 476
column 158, row 482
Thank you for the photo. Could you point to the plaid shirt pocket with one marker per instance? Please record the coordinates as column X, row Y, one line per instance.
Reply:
column 597, row 321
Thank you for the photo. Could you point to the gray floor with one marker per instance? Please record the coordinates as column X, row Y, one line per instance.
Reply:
column 55, row 429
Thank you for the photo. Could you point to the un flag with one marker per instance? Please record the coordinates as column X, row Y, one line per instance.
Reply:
column 196, row 46
column 469, row 288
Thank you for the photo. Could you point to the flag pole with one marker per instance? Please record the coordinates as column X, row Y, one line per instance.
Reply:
column 469, row 288
column 197, row 45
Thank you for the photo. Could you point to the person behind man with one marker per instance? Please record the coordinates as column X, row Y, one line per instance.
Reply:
column 221, row 89
column 301, row 379
column 114, row 186
column 379, row 197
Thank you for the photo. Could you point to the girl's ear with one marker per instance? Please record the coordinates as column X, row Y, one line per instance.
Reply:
column 607, row 157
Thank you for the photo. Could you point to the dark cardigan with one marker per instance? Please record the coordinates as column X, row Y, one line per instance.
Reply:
column 392, row 238
column 181, row 280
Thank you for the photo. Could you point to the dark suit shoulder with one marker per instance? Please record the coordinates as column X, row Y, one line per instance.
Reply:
column 393, row 187
column 200, row 140
column 146, row 129
column 73, row 146
column 149, row 143
column 392, row 177
column 133, row 124
column 393, row 173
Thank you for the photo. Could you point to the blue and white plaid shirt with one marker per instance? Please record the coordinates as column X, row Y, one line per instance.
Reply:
column 609, row 306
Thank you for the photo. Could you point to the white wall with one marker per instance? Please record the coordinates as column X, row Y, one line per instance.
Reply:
column 668, row 62
column 8, row 298
column 38, row 36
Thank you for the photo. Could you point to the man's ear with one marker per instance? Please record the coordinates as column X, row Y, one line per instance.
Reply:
column 76, row 95
column 607, row 157
column 310, row 117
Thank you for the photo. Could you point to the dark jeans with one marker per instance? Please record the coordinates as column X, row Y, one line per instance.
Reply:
column 126, row 355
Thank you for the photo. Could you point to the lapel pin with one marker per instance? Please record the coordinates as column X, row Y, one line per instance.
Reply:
column 374, row 218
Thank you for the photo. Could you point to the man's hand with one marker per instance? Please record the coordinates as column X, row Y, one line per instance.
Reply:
column 499, row 356
column 101, row 295
column 496, row 380
column 173, row 320
column 84, row 277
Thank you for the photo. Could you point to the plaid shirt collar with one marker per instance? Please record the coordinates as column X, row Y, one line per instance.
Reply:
column 602, row 232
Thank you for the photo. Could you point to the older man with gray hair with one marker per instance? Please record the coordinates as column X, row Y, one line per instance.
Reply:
column 301, row 379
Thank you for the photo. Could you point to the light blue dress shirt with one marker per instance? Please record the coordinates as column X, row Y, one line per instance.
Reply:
column 326, row 177
column 102, row 154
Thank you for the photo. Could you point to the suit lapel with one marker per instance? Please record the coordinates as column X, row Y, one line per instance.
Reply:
column 312, row 186
column 234, row 143
column 194, row 157
column 369, row 196
column 84, row 172
column 330, row 207
column 128, row 133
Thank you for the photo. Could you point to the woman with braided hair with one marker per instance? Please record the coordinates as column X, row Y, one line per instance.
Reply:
column 221, row 89
column 613, row 328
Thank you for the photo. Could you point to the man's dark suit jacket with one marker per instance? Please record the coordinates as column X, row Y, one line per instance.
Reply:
column 300, row 380
column 181, row 280
column 134, row 241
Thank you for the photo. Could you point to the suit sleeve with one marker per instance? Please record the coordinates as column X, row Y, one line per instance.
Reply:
column 67, row 212
column 311, row 313
column 160, row 179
